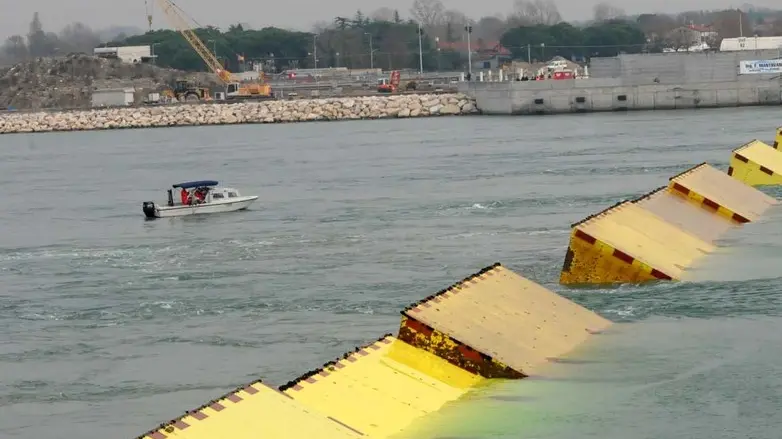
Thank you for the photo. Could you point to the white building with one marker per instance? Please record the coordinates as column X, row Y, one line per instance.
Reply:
column 113, row 97
column 128, row 54
column 751, row 43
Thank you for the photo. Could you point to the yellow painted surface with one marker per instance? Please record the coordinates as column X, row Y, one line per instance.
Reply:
column 509, row 318
column 266, row 414
column 733, row 196
column 385, row 390
column 693, row 219
column 587, row 263
column 778, row 139
column 648, row 238
column 763, row 165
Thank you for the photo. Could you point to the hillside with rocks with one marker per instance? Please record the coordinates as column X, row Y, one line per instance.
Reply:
column 68, row 82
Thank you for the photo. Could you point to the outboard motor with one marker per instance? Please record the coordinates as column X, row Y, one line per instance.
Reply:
column 149, row 209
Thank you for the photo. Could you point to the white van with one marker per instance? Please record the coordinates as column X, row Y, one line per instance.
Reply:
column 558, row 64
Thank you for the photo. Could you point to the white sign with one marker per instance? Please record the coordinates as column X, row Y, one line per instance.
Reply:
column 758, row 67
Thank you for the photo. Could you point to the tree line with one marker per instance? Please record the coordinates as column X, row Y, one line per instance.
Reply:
column 386, row 39
column 75, row 37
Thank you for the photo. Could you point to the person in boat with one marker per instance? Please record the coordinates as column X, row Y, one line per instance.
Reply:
column 200, row 195
column 185, row 195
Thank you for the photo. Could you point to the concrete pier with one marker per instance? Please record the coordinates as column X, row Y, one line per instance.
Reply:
column 638, row 82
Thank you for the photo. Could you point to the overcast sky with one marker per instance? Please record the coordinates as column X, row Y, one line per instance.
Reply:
column 298, row 14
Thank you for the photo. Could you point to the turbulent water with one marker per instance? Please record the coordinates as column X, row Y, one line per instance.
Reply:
column 111, row 324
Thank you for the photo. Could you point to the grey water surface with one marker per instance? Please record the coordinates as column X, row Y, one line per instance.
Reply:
column 111, row 324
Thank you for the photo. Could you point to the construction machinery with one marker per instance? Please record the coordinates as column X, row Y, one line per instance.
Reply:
column 391, row 84
column 234, row 88
column 185, row 91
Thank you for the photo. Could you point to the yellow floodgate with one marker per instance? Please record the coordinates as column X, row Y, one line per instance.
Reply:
column 493, row 324
column 661, row 234
column 756, row 164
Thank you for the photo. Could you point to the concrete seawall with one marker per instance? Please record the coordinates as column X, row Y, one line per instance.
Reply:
column 637, row 82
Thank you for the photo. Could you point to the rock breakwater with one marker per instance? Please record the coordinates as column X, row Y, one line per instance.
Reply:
column 370, row 107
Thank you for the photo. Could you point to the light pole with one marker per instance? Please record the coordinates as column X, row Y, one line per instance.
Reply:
column 741, row 26
column 437, row 46
column 154, row 58
column 468, row 29
column 315, row 50
column 420, row 51
column 371, row 51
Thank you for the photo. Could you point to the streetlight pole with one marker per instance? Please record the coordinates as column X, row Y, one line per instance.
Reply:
column 468, row 29
column 420, row 51
column 437, row 47
column 315, row 50
column 371, row 51
column 154, row 58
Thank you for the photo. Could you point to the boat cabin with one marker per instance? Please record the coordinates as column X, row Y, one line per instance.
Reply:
column 202, row 192
column 222, row 193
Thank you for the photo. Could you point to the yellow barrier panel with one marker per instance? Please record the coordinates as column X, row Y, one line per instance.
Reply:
column 498, row 324
column 251, row 412
column 707, row 186
column 778, row 139
column 627, row 243
column 756, row 164
column 381, row 388
column 693, row 219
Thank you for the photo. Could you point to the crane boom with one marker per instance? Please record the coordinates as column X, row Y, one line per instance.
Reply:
column 180, row 23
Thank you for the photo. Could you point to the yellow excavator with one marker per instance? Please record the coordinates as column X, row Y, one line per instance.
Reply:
column 185, row 91
column 234, row 88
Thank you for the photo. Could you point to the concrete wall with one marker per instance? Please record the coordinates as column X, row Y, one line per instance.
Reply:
column 674, row 68
column 636, row 82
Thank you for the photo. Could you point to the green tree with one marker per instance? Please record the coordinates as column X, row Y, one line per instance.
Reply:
column 359, row 20
column 542, row 42
column 38, row 43
column 15, row 48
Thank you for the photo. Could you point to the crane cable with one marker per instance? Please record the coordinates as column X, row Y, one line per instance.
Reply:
column 198, row 25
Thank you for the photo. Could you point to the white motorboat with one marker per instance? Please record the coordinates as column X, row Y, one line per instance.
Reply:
column 199, row 197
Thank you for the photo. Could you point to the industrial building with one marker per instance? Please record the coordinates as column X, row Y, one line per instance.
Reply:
column 128, row 54
column 751, row 43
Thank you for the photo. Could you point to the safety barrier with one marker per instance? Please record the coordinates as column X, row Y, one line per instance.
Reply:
column 661, row 234
column 498, row 324
column 756, row 164
column 714, row 189
column 493, row 324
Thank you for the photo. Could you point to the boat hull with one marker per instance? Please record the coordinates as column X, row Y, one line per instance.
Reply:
column 232, row 205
